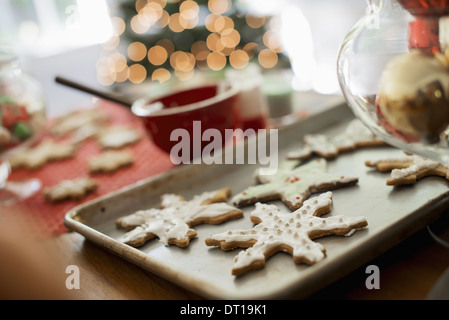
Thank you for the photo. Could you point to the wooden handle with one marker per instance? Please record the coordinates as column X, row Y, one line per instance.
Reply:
column 101, row 94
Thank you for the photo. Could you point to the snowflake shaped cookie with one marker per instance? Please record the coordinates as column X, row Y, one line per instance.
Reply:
column 70, row 189
column 408, row 169
column 173, row 222
column 355, row 136
column 284, row 231
column 294, row 186
column 46, row 151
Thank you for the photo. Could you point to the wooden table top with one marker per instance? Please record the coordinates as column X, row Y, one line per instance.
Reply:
column 31, row 269
column 407, row 272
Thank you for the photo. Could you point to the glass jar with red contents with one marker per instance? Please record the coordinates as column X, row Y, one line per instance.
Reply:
column 22, row 108
column 393, row 69
column 426, row 29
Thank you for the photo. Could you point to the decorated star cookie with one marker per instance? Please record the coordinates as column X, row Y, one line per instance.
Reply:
column 408, row 169
column 172, row 223
column 78, row 119
column 355, row 136
column 110, row 161
column 293, row 187
column 46, row 151
column 70, row 189
column 284, row 231
column 117, row 137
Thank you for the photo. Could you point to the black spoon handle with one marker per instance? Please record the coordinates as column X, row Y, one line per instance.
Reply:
column 101, row 94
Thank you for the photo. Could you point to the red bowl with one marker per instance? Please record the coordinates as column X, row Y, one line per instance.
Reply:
column 216, row 106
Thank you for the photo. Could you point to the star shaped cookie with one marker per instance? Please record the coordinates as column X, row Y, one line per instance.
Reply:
column 70, row 189
column 173, row 222
column 408, row 169
column 354, row 137
column 294, row 186
column 284, row 231
column 36, row 157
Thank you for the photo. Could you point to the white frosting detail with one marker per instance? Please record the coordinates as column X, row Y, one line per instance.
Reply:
column 294, row 185
column 172, row 221
column 355, row 134
column 118, row 137
column 417, row 164
column 170, row 200
column 290, row 229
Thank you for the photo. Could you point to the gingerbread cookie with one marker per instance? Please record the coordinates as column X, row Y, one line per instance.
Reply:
column 355, row 136
column 46, row 151
column 76, row 120
column 110, row 161
column 408, row 169
column 117, row 137
column 70, row 189
column 173, row 223
column 283, row 171
column 293, row 187
column 277, row 231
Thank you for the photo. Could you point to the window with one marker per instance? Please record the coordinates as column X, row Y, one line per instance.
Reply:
column 42, row 27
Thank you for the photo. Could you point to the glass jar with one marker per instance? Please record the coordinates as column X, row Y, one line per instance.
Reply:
column 22, row 107
column 393, row 69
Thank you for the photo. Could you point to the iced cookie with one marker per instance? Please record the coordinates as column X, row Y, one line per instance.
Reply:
column 46, row 151
column 354, row 137
column 77, row 120
column 173, row 222
column 70, row 189
column 117, row 137
column 110, row 161
column 408, row 169
column 293, row 187
column 277, row 231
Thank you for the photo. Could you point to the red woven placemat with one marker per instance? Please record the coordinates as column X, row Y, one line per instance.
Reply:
column 46, row 218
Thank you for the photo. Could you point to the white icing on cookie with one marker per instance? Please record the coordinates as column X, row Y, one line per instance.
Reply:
column 294, row 186
column 46, row 151
column 117, row 137
column 174, row 220
column 414, row 165
column 170, row 200
column 68, row 189
column 355, row 135
column 296, row 230
column 110, row 161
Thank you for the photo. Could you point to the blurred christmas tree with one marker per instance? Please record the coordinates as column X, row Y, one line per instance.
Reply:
column 159, row 39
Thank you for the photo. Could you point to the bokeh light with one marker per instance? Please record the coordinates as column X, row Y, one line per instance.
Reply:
column 157, row 55
column 230, row 38
column 161, row 75
column 167, row 44
column 175, row 24
column 214, row 42
column 137, row 51
column 118, row 26
column 239, row 59
column 216, row 60
column 268, row 58
column 182, row 61
column 219, row 6
column 173, row 38
column 255, row 22
column 137, row 73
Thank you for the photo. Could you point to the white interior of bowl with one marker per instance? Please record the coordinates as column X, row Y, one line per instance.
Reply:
column 142, row 108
